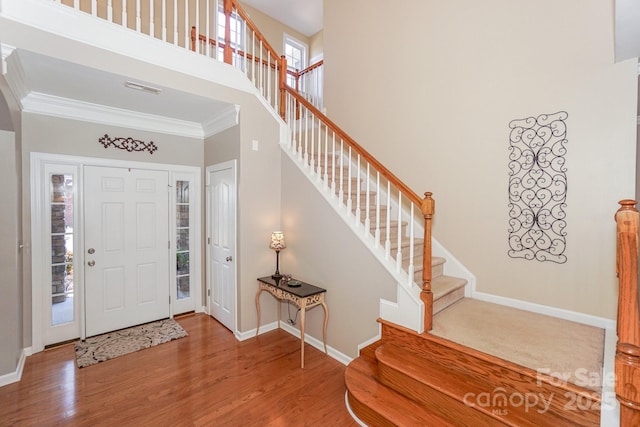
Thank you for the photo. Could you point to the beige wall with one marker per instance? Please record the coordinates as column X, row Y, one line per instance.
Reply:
column 436, row 106
column 12, row 316
column 10, row 302
column 316, row 45
column 323, row 250
column 273, row 30
column 258, row 201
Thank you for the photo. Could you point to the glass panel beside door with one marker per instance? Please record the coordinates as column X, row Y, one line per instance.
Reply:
column 183, row 276
column 62, row 232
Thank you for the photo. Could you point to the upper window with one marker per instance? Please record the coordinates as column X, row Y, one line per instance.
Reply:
column 296, row 53
column 236, row 28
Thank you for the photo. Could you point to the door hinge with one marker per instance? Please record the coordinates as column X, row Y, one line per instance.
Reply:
column 208, row 292
column 169, row 244
column 208, row 240
column 169, row 299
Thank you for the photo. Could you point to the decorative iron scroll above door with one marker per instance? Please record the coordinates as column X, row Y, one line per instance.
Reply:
column 538, row 188
column 128, row 144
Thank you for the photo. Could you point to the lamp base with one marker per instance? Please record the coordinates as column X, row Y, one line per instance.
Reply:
column 276, row 277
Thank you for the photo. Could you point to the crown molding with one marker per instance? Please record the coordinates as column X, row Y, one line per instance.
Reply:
column 13, row 72
column 223, row 121
column 50, row 105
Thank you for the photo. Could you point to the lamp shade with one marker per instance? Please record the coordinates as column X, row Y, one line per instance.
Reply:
column 277, row 241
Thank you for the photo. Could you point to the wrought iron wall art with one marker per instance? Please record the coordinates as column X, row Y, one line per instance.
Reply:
column 128, row 144
column 538, row 188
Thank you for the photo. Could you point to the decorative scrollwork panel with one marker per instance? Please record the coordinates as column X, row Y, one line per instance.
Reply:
column 129, row 144
column 538, row 188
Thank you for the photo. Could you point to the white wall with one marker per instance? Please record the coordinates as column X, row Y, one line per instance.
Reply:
column 429, row 87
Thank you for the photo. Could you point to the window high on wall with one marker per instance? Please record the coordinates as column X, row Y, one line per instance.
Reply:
column 296, row 53
column 236, row 32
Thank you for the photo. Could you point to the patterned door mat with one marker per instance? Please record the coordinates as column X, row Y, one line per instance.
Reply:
column 118, row 343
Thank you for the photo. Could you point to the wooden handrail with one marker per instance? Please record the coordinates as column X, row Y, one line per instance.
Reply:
column 298, row 74
column 254, row 28
column 213, row 42
column 426, row 205
column 409, row 193
column 627, row 360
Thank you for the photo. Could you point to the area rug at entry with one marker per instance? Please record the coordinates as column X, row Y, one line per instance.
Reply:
column 118, row 343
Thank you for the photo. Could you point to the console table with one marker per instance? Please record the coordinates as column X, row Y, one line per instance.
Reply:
column 304, row 297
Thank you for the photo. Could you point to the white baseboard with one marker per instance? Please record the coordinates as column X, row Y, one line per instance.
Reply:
column 251, row 333
column 610, row 408
column 14, row 377
column 314, row 342
column 560, row 313
column 370, row 340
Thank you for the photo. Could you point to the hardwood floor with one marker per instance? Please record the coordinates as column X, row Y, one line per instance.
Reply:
column 205, row 379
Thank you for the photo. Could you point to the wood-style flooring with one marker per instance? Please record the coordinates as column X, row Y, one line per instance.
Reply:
column 205, row 379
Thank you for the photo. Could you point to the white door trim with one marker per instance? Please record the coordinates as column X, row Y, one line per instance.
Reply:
column 36, row 244
column 210, row 169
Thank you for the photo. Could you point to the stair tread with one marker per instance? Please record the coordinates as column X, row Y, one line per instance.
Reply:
column 468, row 387
column 443, row 285
column 393, row 407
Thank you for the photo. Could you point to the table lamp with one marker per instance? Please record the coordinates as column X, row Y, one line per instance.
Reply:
column 277, row 244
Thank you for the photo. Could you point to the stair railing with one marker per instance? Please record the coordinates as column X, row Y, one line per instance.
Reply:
column 309, row 83
column 351, row 174
column 627, row 360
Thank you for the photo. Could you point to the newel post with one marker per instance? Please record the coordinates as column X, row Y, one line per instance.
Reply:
column 428, row 209
column 627, row 360
column 228, row 9
column 282, row 77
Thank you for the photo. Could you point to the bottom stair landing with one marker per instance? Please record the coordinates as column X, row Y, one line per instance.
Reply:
column 482, row 365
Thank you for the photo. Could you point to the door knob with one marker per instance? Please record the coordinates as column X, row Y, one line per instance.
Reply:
column 91, row 251
column 91, row 263
column 229, row 258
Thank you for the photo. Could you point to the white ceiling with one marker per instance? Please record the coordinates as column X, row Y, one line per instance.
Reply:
column 75, row 86
column 304, row 16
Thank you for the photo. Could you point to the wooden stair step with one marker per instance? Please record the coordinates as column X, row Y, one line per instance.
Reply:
column 377, row 405
column 456, row 370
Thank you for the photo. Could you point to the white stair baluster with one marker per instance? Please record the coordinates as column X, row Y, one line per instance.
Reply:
column 341, row 192
column 333, row 164
column 152, row 23
column 376, row 235
column 175, row 22
column 367, row 221
column 326, row 156
column 186, row 24
column 306, row 136
column 399, row 253
column 124, row 13
column 387, row 242
column 349, row 201
column 358, row 192
column 207, row 29
column 138, row 16
column 164, row 20
column 411, row 249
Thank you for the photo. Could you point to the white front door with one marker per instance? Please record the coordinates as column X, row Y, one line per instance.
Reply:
column 221, row 214
column 126, row 247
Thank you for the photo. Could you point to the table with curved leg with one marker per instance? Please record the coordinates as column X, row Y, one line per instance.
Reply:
column 304, row 296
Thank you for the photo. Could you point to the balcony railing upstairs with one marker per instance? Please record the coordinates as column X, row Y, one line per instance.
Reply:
column 627, row 361
column 395, row 220
column 309, row 83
